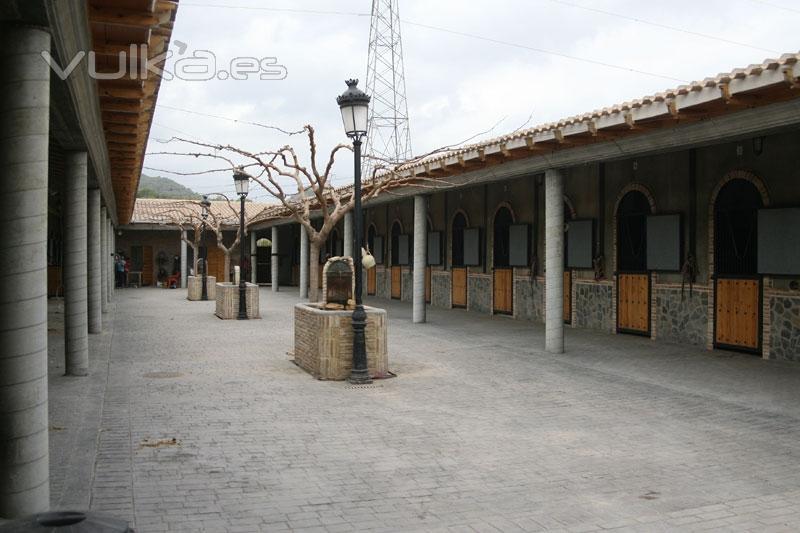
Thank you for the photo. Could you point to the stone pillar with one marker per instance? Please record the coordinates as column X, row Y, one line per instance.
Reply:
column 94, row 279
column 253, row 258
column 303, row 262
column 348, row 235
column 104, row 259
column 24, row 132
column 274, row 259
column 76, row 331
column 554, row 260
column 420, row 258
column 184, row 260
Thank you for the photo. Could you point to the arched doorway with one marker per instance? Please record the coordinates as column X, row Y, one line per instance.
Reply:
column 397, row 271
column 372, row 276
column 737, row 284
column 459, row 271
column 503, row 274
column 633, row 280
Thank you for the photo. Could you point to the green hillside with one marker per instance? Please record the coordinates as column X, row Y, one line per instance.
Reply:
column 158, row 187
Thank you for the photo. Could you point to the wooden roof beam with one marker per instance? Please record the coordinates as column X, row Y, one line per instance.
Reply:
column 123, row 17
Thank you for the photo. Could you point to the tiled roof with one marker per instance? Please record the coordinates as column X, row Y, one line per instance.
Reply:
column 163, row 211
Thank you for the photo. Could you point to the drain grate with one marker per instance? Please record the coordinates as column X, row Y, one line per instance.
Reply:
column 162, row 375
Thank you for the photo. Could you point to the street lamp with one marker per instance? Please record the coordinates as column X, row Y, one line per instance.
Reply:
column 353, row 104
column 242, row 181
column 205, row 204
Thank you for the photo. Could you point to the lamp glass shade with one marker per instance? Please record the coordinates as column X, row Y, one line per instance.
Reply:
column 354, row 105
column 242, row 182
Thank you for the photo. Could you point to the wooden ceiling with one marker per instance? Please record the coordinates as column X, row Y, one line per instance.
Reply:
column 128, row 102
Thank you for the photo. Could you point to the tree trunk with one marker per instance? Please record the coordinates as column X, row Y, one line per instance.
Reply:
column 313, row 272
column 195, row 258
column 227, row 271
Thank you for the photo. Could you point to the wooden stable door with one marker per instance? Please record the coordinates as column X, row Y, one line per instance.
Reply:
column 427, row 285
column 372, row 281
column 459, row 290
column 397, row 282
column 503, row 287
column 216, row 263
column 738, row 316
column 568, row 296
column 147, row 265
column 633, row 303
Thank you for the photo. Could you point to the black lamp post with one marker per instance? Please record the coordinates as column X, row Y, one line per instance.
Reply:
column 206, row 204
column 242, row 181
column 353, row 104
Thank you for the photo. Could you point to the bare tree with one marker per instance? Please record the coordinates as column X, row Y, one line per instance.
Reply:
column 315, row 197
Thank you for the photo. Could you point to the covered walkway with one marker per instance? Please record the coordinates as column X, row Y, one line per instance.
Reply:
column 480, row 429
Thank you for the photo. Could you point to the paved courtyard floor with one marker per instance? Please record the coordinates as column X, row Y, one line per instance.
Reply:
column 191, row 423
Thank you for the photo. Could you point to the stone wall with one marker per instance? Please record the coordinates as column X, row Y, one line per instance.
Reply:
column 406, row 285
column 784, row 339
column 382, row 284
column 479, row 293
column 593, row 306
column 440, row 289
column 323, row 342
column 681, row 318
column 529, row 299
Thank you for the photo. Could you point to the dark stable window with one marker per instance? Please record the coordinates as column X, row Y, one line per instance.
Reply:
column 735, row 228
column 396, row 244
column 457, row 238
column 632, row 232
column 502, row 222
column 371, row 239
column 137, row 259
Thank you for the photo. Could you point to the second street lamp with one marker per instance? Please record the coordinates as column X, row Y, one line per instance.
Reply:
column 206, row 204
column 242, row 181
column 353, row 104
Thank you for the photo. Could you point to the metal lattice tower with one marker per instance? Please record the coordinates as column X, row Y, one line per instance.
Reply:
column 389, row 135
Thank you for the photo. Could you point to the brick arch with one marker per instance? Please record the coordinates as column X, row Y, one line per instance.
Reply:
column 449, row 249
column 398, row 222
column 500, row 206
column 625, row 190
column 572, row 213
column 452, row 219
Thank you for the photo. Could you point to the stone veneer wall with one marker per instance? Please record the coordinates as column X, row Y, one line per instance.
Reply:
column 784, row 318
column 441, row 289
column 593, row 305
column 406, row 285
column 681, row 318
column 323, row 342
column 529, row 299
column 382, row 288
column 479, row 293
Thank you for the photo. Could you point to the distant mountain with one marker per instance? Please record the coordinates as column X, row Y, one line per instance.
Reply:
column 158, row 187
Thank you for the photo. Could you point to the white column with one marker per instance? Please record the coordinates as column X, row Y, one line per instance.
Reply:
column 253, row 258
column 94, row 278
column 24, row 131
column 554, row 261
column 303, row 262
column 348, row 235
column 103, row 259
column 274, row 259
column 184, row 260
column 420, row 258
column 76, row 331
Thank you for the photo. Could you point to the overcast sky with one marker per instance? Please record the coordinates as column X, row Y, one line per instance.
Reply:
column 457, row 85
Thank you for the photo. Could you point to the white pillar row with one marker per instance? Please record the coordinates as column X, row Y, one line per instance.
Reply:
column 348, row 235
column 274, row 259
column 93, row 269
column 420, row 258
column 303, row 262
column 24, row 132
column 184, row 260
column 104, row 259
column 76, row 331
column 554, row 260
column 253, row 258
